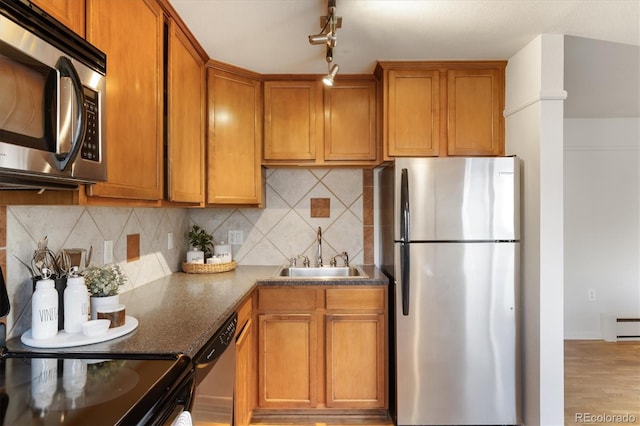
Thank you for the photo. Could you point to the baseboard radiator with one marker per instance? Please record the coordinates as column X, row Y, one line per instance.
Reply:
column 620, row 328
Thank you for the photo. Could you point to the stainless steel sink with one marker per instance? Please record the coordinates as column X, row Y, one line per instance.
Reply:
column 321, row 272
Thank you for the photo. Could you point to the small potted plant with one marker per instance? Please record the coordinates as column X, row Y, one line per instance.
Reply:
column 201, row 241
column 103, row 283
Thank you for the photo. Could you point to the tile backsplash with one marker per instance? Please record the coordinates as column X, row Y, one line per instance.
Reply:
column 284, row 229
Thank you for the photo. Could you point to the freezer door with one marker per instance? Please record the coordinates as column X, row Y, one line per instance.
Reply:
column 454, row 199
column 456, row 350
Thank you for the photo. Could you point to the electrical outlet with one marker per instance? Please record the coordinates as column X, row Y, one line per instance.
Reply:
column 591, row 294
column 170, row 244
column 236, row 237
column 107, row 249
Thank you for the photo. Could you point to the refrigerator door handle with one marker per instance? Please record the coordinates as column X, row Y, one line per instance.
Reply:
column 404, row 240
column 405, row 271
column 404, row 206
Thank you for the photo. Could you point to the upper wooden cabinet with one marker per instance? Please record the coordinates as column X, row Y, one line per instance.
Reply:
column 309, row 124
column 350, row 121
column 185, row 119
column 412, row 116
column 131, row 34
column 234, row 173
column 292, row 120
column 71, row 13
column 442, row 108
column 475, row 102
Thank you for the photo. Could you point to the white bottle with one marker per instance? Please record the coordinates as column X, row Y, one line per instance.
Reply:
column 44, row 308
column 76, row 303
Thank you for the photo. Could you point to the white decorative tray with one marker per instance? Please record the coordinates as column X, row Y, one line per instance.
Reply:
column 65, row 340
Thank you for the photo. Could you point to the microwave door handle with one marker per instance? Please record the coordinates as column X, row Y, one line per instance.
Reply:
column 66, row 69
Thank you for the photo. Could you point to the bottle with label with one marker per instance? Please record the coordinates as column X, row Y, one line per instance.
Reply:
column 44, row 308
column 76, row 302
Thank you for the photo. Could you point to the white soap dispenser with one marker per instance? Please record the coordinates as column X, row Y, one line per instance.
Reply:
column 44, row 308
column 76, row 302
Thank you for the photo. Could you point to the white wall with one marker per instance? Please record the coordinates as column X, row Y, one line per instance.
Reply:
column 602, row 222
column 534, row 120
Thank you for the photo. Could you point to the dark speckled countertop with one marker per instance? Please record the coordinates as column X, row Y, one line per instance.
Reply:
column 178, row 314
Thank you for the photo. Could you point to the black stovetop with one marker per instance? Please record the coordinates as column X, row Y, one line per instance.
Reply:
column 82, row 391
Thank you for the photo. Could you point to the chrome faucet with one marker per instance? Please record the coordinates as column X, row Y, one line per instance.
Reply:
column 319, row 255
column 343, row 255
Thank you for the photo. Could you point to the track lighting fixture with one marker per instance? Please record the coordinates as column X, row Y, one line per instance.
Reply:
column 327, row 35
column 328, row 79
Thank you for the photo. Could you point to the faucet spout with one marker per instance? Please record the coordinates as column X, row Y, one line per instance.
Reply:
column 319, row 254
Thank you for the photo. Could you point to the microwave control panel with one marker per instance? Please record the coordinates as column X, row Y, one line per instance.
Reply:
column 90, row 149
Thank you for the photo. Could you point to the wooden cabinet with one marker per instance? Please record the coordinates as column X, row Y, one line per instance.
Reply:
column 309, row 124
column 185, row 116
column 322, row 347
column 245, row 384
column 287, row 348
column 442, row 108
column 413, row 113
column 293, row 121
column 134, row 128
column 234, row 172
column 355, row 348
column 475, row 101
column 350, row 133
column 71, row 13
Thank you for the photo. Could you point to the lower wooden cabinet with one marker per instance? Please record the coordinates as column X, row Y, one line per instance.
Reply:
column 244, row 398
column 322, row 347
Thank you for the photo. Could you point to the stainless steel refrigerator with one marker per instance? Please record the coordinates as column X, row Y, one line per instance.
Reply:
column 450, row 243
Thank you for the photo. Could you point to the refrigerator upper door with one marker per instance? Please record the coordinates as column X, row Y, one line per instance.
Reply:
column 456, row 350
column 457, row 199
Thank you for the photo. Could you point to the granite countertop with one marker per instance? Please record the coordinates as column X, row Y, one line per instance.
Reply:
column 178, row 314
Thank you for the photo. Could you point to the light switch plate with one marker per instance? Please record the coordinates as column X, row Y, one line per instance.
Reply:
column 107, row 248
column 236, row 237
column 170, row 244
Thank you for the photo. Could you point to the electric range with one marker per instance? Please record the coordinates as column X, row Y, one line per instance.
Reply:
column 93, row 390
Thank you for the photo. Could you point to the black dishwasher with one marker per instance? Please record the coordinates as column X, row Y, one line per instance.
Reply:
column 215, row 368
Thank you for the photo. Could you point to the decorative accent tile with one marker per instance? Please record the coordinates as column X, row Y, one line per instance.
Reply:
column 133, row 247
column 303, row 208
column 320, row 207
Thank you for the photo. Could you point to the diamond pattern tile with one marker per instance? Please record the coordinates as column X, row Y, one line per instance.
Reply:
column 271, row 235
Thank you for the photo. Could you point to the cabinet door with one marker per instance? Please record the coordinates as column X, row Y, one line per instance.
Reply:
column 234, row 139
column 475, row 104
column 287, row 360
column 245, row 373
column 186, row 92
column 292, row 119
column 350, row 121
column 355, row 360
column 413, row 113
column 70, row 13
column 130, row 32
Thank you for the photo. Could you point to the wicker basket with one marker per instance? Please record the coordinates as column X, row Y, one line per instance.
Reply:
column 208, row 268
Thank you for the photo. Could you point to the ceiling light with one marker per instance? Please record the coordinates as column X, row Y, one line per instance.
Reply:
column 328, row 79
column 327, row 35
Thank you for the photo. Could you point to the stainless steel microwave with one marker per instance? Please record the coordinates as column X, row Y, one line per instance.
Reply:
column 52, row 103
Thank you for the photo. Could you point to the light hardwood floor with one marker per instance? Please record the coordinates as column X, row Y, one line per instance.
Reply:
column 601, row 379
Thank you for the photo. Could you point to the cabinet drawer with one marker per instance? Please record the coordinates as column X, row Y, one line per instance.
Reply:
column 299, row 299
column 355, row 298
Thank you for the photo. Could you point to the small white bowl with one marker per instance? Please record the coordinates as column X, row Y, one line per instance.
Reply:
column 95, row 327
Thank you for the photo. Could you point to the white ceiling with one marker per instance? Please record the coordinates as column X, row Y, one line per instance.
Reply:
column 270, row 36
